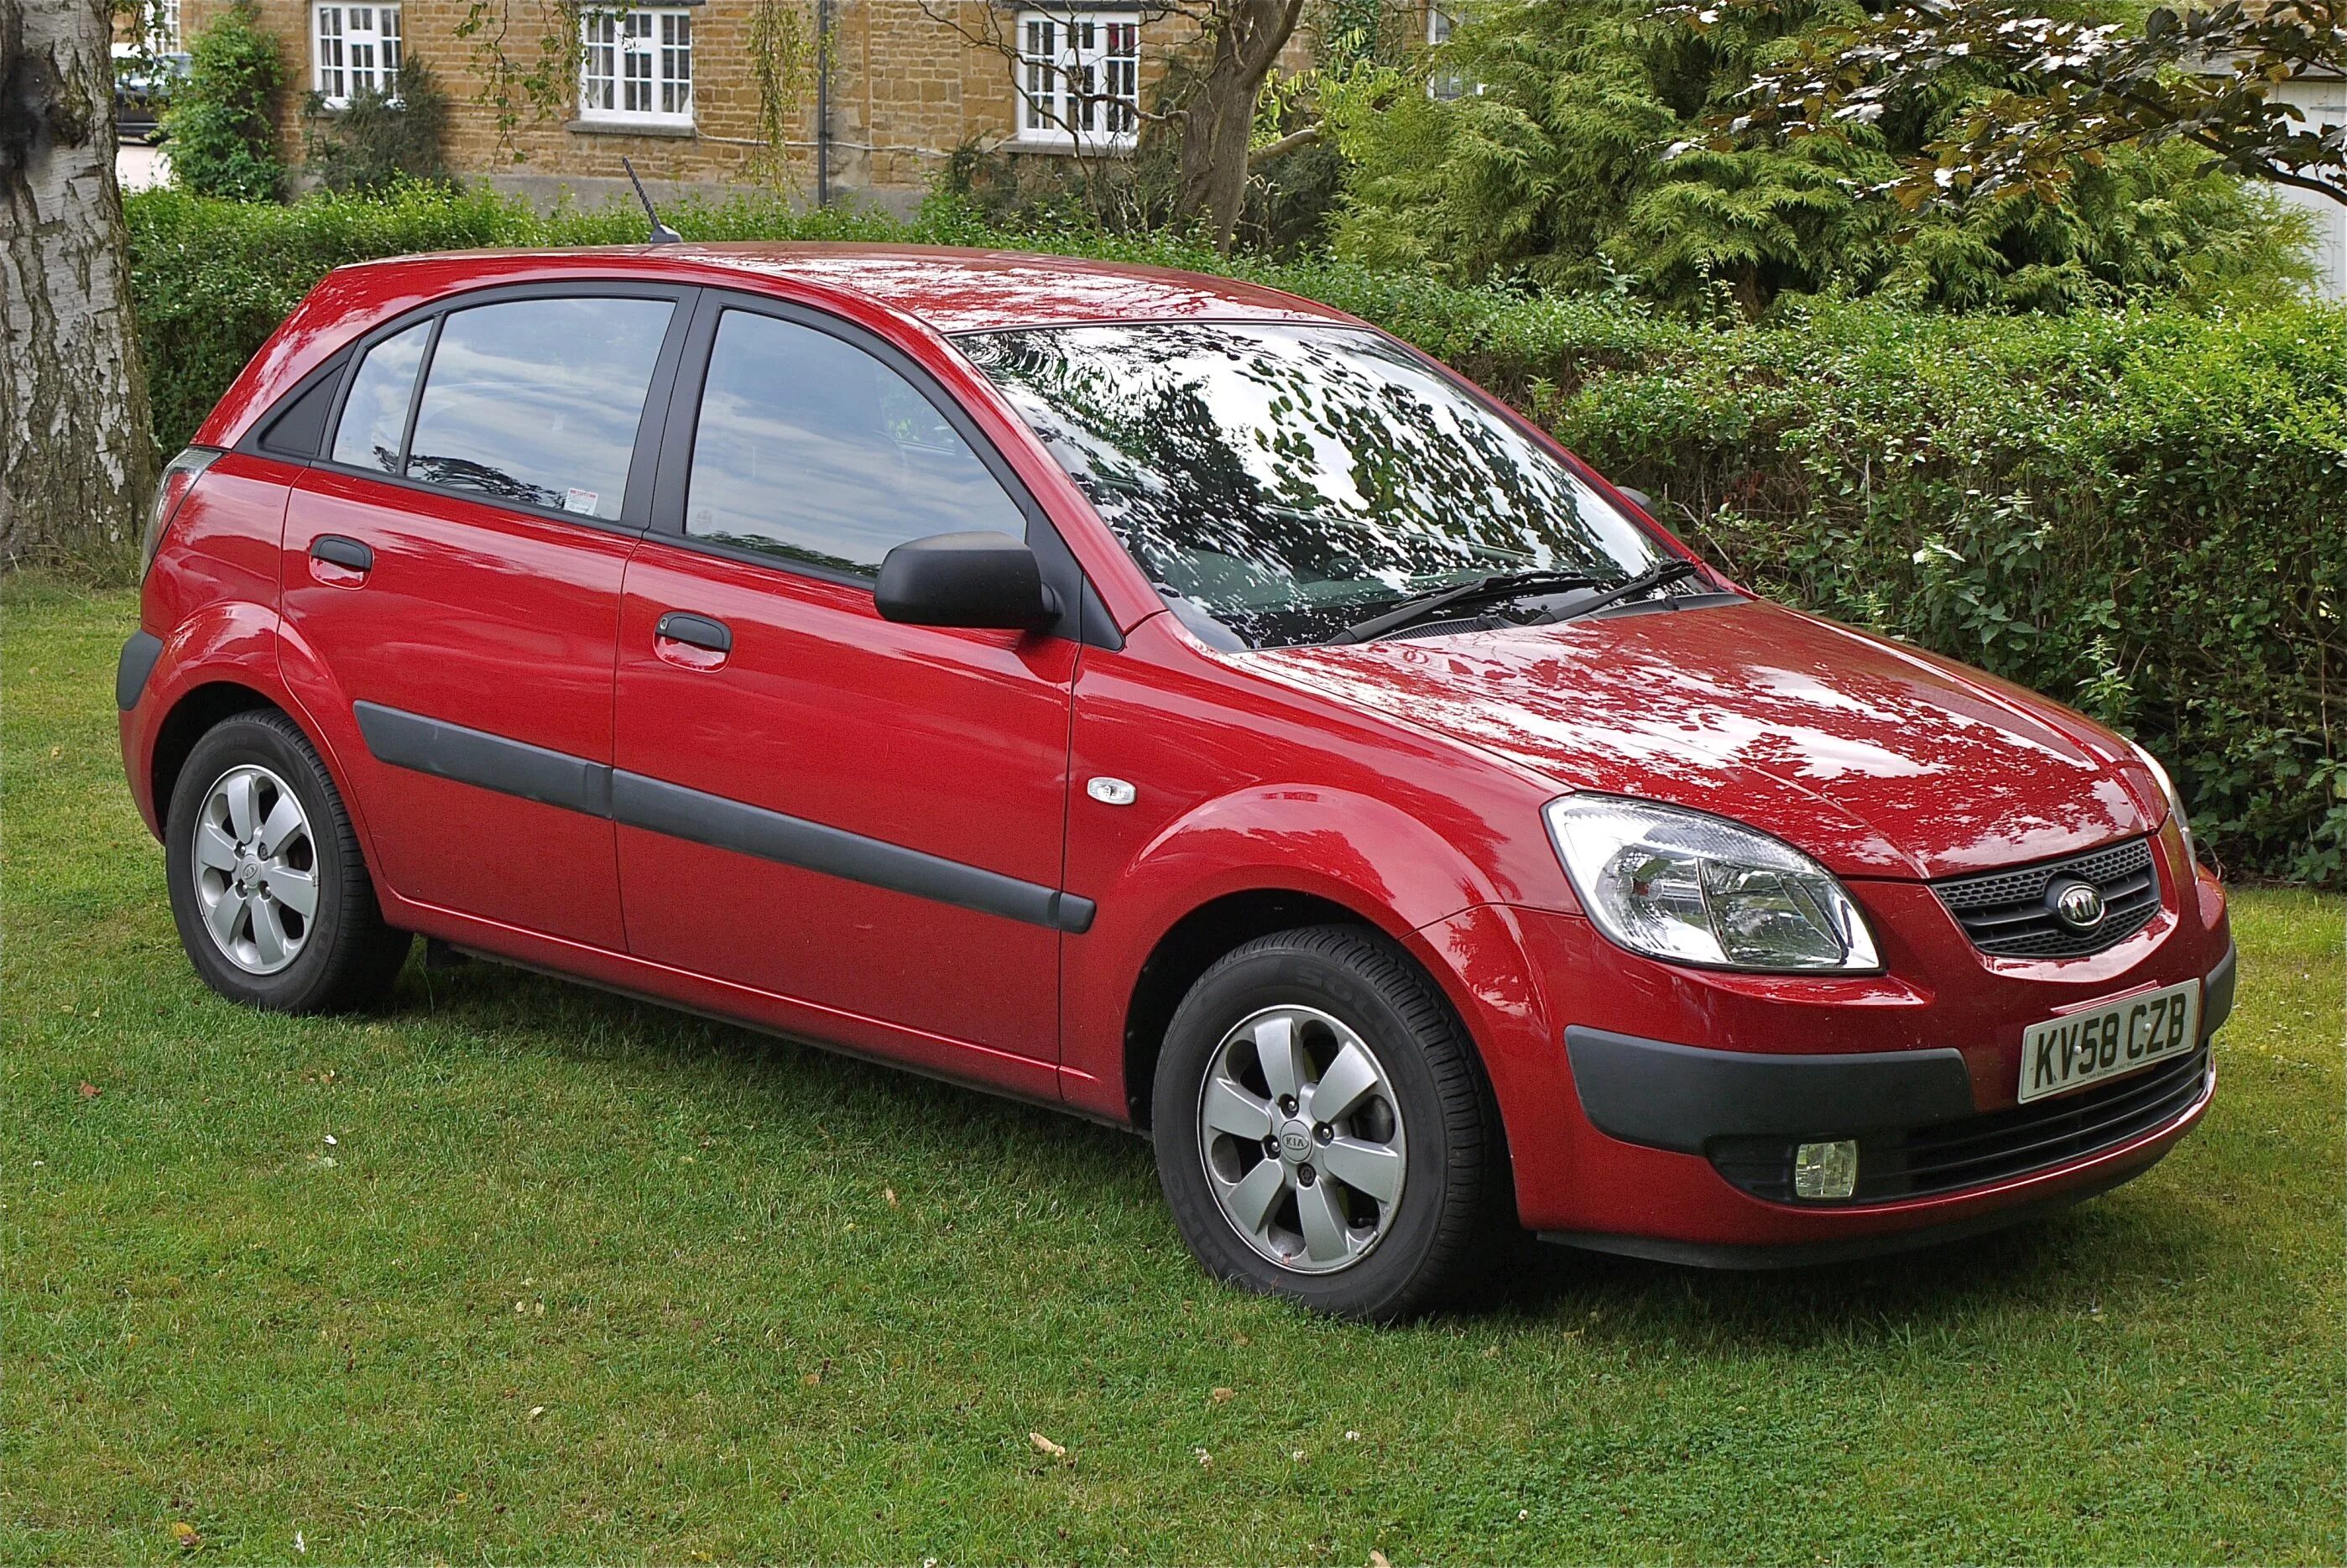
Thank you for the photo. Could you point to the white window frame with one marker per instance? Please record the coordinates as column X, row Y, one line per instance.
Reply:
column 159, row 26
column 1445, row 86
column 346, row 57
column 635, row 66
column 1078, row 79
column 1440, row 23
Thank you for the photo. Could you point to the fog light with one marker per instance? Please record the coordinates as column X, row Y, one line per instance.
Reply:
column 1826, row 1170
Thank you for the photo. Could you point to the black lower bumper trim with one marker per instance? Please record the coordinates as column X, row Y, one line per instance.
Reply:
column 2217, row 1002
column 131, row 671
column 1847, row 1249
column 1682, row 1097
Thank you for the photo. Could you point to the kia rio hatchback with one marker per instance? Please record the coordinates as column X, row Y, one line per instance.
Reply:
column 1162, row 698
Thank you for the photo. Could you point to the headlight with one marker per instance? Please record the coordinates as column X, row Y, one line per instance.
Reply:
column 2175, row 801
column 1699, row 890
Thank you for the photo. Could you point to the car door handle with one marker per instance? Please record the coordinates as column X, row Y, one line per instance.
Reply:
column 341, row 552
column 696, row 630
column 338, row 562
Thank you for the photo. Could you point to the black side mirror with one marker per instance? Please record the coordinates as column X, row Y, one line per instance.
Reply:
column 1638, row 499
column 987, row 579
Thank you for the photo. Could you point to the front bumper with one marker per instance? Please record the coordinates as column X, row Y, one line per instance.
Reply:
column 1910, row 1112
column 1623, row 1137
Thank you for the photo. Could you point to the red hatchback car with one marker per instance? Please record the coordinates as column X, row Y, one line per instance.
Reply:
column 1162, row 698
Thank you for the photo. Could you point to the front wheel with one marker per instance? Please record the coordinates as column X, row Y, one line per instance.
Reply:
column 270, row 893
column 1322, row 1127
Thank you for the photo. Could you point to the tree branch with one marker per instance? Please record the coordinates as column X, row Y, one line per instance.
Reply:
column 1285, row 144
column 2268, row 170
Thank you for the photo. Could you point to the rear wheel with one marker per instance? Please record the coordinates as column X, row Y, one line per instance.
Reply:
column 1322, row 1129
column 271, row 898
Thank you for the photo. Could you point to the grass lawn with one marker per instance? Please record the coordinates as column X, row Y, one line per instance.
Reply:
column 518, row 1270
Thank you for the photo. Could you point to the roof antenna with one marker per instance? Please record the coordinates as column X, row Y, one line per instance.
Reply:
column 662, row 233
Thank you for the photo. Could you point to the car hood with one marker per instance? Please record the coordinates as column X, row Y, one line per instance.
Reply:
column 1872, row 757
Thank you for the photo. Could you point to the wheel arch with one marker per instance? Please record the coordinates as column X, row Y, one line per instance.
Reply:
column 1188, row 948
column 1222, row 925
column 190, row 716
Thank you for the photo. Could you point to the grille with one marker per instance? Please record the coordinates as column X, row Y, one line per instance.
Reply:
column 1951, row 1155
column 2007, row 912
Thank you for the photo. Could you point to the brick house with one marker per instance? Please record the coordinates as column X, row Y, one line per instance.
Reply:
column 672, row 86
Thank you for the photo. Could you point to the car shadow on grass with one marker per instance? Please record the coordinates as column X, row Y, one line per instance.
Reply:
column 2105, row 1255
column 2102, row 1251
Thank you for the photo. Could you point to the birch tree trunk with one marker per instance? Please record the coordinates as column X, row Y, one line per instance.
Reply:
column 77, row 451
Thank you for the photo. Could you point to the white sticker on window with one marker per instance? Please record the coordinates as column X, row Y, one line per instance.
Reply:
column 580, row 500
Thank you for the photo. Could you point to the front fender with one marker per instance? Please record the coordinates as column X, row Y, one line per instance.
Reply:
column 1337, row 844
column 1350, row 849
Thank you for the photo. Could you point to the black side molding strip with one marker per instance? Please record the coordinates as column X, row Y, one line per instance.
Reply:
column 137, row 662
column 1682, row 1096
column 491, row 762
column 556, row 778
column 722, row 824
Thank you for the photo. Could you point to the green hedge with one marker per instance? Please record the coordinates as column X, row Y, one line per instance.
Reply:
column 2142, row 513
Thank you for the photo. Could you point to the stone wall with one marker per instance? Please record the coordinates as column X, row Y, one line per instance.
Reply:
column 908, row 87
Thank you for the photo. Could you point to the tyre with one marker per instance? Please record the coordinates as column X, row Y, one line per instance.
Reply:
column 274, row 902
column 1323, row 1129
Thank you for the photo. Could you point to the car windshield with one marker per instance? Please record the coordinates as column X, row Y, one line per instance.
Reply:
column 1281, row 483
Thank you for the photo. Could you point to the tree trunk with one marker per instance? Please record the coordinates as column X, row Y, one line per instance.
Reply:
column 76, row 450
column 1219, row 110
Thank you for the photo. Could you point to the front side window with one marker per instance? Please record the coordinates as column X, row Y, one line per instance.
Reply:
column 354, row 49
column 635, row 67
column 536, row 402
column 1288, row 481
column 1079, row 79
column 809, row 449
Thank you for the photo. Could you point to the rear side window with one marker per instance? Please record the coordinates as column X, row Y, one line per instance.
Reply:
column 374, row 415
column 536, row 401
column 813, row 450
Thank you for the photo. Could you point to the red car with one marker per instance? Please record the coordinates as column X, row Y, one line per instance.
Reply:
column 1163, row 697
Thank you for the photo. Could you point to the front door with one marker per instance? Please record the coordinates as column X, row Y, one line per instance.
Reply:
column 864, row 818
column 454, row 559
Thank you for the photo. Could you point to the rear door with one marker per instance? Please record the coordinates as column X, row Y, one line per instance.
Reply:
column 862, row 817
column 454, row 559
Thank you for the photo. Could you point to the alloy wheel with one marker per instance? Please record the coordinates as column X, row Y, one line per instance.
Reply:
column 256, row 869
column 1301, row 1133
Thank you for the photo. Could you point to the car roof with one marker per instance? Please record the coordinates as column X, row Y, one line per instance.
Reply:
column 961, row 291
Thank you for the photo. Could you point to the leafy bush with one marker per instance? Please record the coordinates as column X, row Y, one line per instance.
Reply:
column 2136, row 511
column 1554, row 167
column 375, row 142
column 224, row 118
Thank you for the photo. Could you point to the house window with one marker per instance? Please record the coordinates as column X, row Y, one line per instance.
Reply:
column 1079, row 79
column 1440, row 84
column 636, row 66
column 158, row 26
column 357, row 51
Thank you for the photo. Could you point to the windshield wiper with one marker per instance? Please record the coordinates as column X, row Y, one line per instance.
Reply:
column 1652, row 578
column 1481, row 590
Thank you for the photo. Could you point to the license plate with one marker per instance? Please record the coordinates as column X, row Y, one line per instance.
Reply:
column 2108, row 1040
